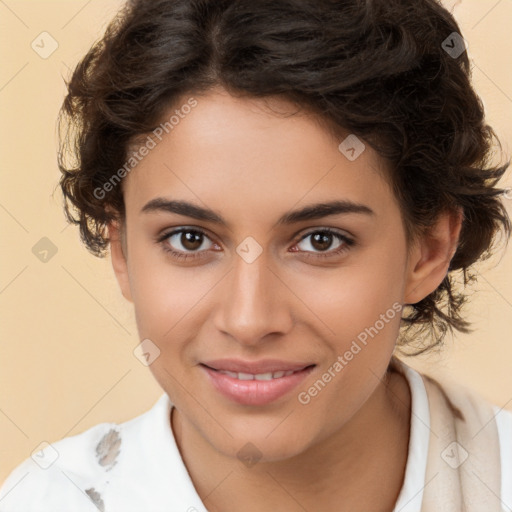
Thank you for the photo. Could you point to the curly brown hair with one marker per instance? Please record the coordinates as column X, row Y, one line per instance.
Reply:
column 380, row 69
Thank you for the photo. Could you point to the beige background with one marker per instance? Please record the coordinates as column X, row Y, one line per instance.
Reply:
column 66, row 334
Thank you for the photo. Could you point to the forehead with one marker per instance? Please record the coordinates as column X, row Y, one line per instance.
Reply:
column 250, row 156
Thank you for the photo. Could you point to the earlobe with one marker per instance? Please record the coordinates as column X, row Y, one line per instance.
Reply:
column 430, row 257
column 119, row 259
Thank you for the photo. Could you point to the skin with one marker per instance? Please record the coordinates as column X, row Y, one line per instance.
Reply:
column 347, row 448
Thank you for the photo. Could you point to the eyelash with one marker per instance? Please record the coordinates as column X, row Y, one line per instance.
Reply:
column 347, row 243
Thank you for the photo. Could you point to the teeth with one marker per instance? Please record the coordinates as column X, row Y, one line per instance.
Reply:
column 245, row 376
column 259, row 376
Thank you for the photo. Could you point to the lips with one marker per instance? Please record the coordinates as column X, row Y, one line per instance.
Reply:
column 259, row 383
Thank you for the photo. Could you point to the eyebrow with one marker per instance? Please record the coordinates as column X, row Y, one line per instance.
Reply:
column 311, row 212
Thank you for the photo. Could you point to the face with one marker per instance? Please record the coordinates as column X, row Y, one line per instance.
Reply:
column 242, row 275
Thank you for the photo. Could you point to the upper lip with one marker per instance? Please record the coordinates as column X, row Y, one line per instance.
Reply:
column 255, row 367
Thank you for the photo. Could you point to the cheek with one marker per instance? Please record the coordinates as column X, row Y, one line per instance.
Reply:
column 362, row 308
column 353, row 297
column 166, row 296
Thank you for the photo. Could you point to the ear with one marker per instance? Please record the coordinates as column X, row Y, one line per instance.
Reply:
column 430, row 257
column 118, row 254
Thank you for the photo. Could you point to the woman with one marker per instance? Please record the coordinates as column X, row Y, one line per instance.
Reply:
column 288, row 190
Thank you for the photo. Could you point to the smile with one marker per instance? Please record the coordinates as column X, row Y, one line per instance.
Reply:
column 255, row 389
column 258, row 376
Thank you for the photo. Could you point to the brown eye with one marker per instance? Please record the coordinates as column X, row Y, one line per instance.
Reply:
column 191, row 241
column 322, row 241
column 187, row 240
column 323, row 244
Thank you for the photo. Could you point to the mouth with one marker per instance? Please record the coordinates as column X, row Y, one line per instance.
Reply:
column 253, row 388
column 259, row 376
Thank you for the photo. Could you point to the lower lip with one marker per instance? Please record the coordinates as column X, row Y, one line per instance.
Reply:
column 255, row 392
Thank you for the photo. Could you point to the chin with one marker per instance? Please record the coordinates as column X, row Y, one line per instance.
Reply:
column 255, row 445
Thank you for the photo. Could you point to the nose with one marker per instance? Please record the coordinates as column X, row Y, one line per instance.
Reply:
column 254, row 302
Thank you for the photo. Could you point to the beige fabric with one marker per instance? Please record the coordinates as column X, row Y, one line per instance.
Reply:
column 463, row 467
